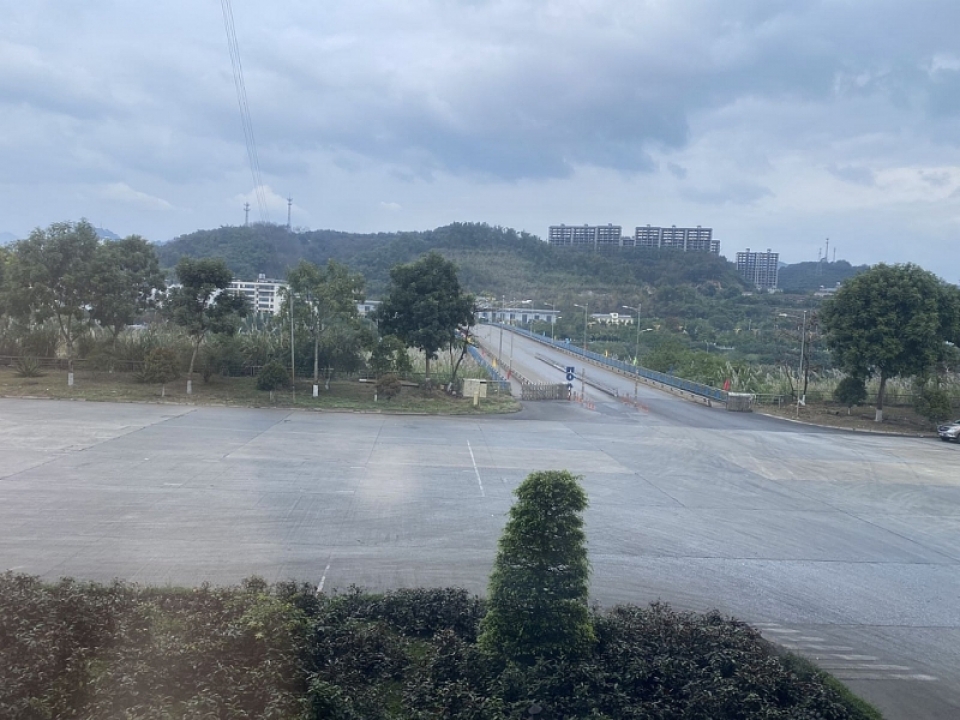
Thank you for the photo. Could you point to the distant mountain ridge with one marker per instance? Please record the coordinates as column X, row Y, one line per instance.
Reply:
column 492, row 260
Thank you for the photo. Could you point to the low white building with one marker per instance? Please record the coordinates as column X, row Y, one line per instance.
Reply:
column 612, row 319
column 516, row 316
column 263, row 294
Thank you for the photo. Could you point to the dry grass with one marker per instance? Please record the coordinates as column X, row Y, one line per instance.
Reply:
column 242, row 392
column 896, row 419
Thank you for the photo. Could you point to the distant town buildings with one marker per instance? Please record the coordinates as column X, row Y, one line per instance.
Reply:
column 586, row 236
column 685, row 239
column 596, row 237
column 760, row 268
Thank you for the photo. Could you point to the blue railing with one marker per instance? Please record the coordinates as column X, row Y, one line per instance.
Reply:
column 671, row 380
column 495, row 376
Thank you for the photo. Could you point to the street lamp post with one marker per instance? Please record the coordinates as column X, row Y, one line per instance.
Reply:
column 636, row 357
column 585, row 311
column 503, row 300
column 553, row 321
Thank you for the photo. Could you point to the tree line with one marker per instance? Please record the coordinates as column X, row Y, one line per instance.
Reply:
column 65, row 279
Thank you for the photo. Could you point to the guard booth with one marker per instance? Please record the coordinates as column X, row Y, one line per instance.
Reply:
column 739, row 402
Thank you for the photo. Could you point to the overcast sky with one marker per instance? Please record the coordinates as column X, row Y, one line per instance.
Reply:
column 779, row 123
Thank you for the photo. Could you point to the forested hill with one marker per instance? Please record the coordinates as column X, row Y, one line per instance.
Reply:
column 492, row 260
column 809, row 276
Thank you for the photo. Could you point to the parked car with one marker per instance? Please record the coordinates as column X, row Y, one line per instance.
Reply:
column 950, row 431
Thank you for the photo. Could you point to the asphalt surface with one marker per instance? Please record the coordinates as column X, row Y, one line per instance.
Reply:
column 843, row 546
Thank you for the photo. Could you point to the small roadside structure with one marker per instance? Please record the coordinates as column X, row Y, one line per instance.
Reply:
column 739, row 402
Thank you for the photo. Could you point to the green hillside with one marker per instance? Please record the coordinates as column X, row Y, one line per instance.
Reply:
column 807, row 277
column 492, row 260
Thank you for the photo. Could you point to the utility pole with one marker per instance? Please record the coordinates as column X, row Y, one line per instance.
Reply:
column 246, row 214
column 803, row 338
column 293, row 366
column 585, row 311
column 503, row 300
column 636, row 357
column 289, row 211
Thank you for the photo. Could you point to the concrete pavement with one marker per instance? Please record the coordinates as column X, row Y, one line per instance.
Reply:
column 843, row 546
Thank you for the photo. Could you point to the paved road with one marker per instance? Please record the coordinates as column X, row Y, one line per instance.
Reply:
column 843, row 546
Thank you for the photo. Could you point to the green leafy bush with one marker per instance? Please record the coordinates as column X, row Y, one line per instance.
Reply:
column 272, row 376
column 850, row 391
column 538, row 588
column 161, row 366
column 933, row 402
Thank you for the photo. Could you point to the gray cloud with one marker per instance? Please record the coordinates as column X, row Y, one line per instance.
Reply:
column 736, row 194
column 751, row 103
column 858, row 175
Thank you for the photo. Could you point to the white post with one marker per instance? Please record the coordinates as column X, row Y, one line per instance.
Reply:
column 316, row 391
column 69, row 379
column 189, row 387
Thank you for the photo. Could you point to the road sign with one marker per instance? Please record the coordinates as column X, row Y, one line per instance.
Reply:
column 571, row 372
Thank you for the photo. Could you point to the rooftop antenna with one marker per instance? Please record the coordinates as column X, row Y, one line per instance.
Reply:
column 289, row 209
column 827, row 254
column 246, row 214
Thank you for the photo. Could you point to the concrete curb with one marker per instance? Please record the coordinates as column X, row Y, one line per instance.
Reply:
column 887, row 433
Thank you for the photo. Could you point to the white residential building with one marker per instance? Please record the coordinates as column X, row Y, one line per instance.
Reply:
column 263, row 294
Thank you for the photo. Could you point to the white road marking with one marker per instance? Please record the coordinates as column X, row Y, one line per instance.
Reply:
column 839, row 660
column 323, row 579
column 476, row 469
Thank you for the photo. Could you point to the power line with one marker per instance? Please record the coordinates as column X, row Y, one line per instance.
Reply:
column 245, row 119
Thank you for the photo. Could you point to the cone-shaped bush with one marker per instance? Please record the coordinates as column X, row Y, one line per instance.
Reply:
column 539, row 586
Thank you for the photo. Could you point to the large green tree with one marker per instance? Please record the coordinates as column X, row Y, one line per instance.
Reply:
column 125, row 281
column 892, row 320
column 325, row 304
column 539, row 585
column 425, row 305
column 50, row 276
column 201, row 303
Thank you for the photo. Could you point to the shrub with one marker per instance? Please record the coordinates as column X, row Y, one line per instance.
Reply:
column 28, row 367
column 272, row 376
column 538, row 588
column 850, row 391
column 932, row 402
column 161, row 366
column 389, row 386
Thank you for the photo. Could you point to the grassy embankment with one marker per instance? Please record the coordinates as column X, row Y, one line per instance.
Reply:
column 241, row 391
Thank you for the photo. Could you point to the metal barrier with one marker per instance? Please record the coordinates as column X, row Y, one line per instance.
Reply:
column 532, row 391
column 502, row 384
column 689, row 386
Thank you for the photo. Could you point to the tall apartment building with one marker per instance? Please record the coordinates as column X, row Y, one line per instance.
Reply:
column 760, row 268
column 698, row 239
column 586, row 236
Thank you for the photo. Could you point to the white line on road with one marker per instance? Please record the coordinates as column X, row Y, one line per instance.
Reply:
column 323, row 579
column 476, row 469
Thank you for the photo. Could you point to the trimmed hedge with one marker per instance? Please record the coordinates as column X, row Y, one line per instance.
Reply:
column 85, row 650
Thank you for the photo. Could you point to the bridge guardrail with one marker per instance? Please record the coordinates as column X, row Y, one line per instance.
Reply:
column 689, row 386
column 503, row 385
